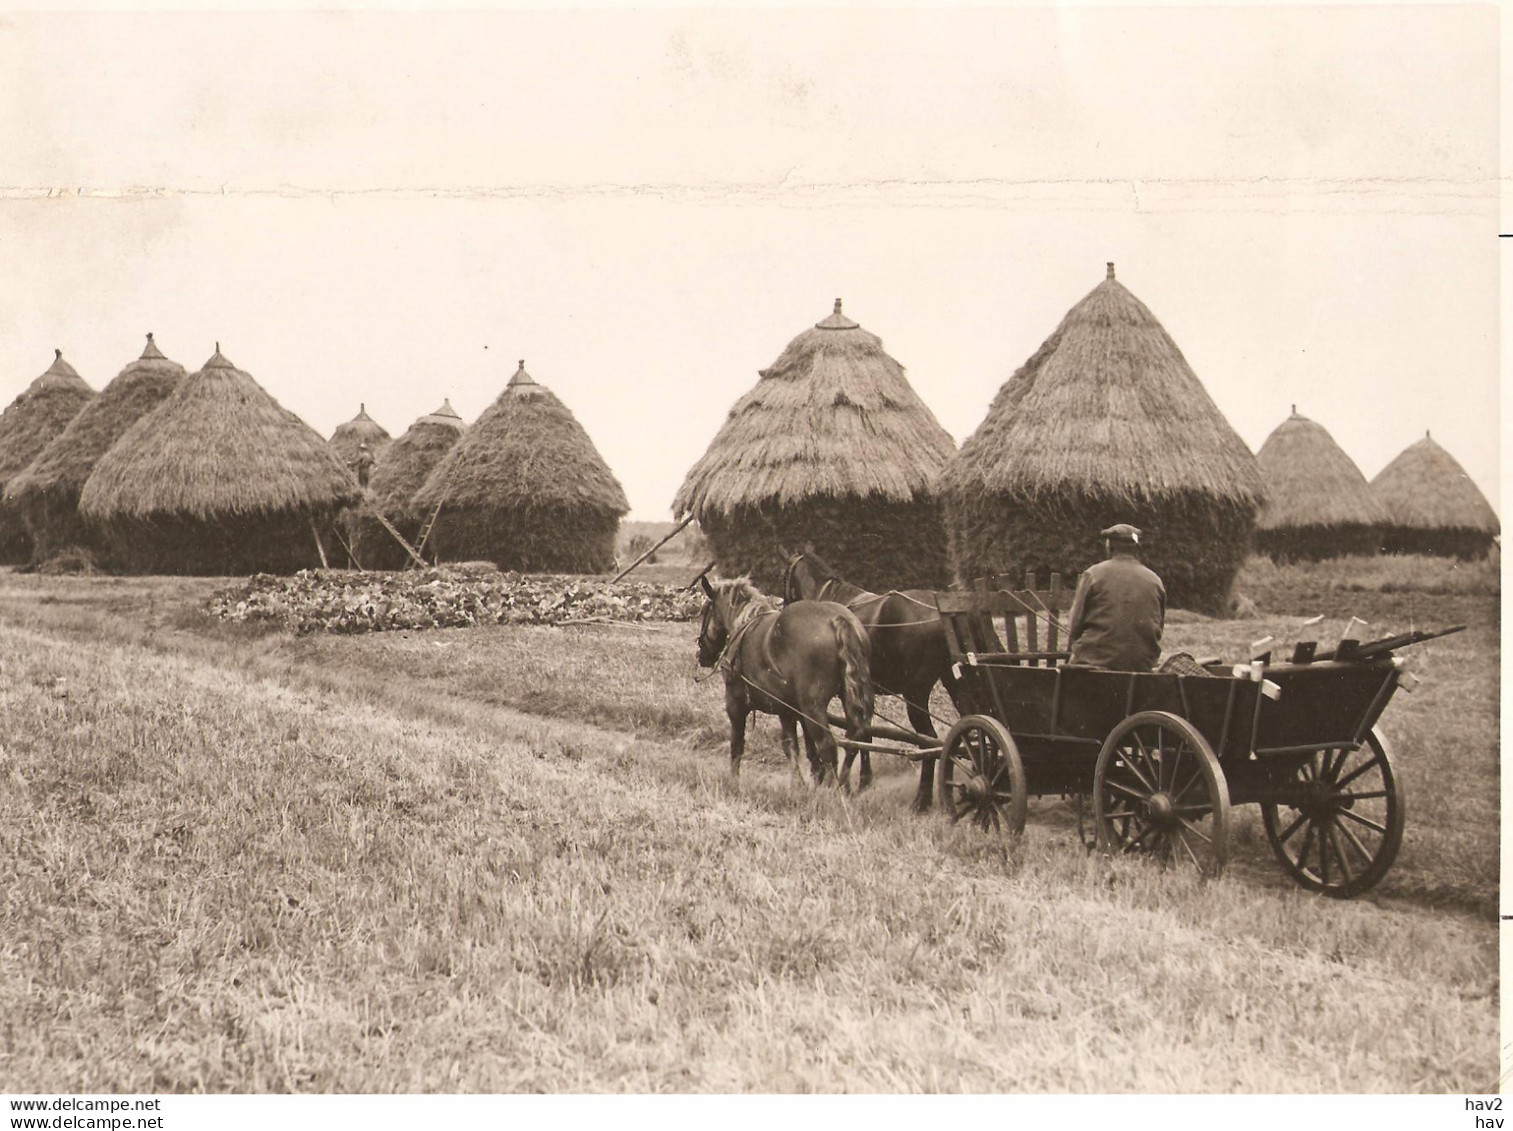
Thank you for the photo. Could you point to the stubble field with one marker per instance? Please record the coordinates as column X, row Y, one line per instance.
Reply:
column 510, row 859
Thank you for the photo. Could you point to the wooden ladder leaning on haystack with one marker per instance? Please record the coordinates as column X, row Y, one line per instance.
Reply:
column 418, row 549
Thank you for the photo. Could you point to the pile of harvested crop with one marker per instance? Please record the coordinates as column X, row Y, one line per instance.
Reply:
column 338, row 601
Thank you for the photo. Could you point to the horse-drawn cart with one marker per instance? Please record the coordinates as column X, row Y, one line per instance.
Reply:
column 1165, row 756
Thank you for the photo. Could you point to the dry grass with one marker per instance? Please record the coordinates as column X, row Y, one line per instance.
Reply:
column 1310, row 481
column 1108, row 407
column 834, row 417
column 525, row 488
column 242, row 861
column 1426, row 489
column 218, row 446
column 1106, row 422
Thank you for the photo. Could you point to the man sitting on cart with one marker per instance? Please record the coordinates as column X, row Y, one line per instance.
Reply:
column 1119, row 610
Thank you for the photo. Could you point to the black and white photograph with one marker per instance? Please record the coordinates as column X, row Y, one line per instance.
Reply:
column 737, row 550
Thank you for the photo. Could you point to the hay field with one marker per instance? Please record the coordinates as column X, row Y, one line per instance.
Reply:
column 509, row 859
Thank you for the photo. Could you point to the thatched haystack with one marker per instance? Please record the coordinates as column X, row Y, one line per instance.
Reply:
column 218, row 479
column 831, row 447
column 1105, row 423
column 1432, row 506
column 47, row 492
column 1318, row 504
column 349, row 437
column 526, row 489
column 31, row 422
column 399, row 474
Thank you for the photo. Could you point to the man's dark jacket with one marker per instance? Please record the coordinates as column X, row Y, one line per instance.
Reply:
column 1117, row 616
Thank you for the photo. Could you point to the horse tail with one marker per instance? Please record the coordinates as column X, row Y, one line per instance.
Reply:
column 856, row 688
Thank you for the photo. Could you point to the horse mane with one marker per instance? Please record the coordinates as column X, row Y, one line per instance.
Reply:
column 848, row 591
column 745, row 600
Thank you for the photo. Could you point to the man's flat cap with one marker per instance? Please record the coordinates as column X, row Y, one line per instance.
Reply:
column 1123, row 532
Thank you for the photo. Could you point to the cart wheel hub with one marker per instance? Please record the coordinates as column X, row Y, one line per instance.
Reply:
column 1161, row 807
column 977, row 788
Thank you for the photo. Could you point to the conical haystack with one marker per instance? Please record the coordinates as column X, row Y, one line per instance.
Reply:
column 31, row 422
column 1432, row 506
column 832, row 447
column 47, row 492
column 218, row 479
column 349, row 437
column 1105, row 423
column 399, row 474
column 1318, row 504
column 525, row 488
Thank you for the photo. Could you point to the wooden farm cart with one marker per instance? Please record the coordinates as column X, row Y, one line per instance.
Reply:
column 1166, row 756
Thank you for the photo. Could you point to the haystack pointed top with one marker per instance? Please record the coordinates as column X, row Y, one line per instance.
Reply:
column 60, row 470
column 1310, row 481
column 1426, row 488
column 362, row 429
column 446, row 414
column 218, row 446
column 1107, row 406
column 797, row 434
column 60, row 368
column 526, row 450
column 837, row 320
column 1110, row 274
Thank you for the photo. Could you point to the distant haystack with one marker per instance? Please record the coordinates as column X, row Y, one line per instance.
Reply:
column 47, row 492
column 218, row 479
column 400, row 473
column 1105, row 423
column 1432, row 507
column 33, row 420
column 1318, row 504
column 525, row 488
column 348, row 438
column 832, row 447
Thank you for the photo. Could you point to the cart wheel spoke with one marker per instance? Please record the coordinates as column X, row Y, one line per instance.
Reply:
column 1355, row 773
column 1339, row 855
column 980, row 771
column 1286, row 834
column 1159, row 788
column 1355, row 841
column 1129, row 764
column 1367, row 821
column 1335, row 857
column 1191, row 855
column 1130, row 846
column 1126, row 790
column 1197, row 832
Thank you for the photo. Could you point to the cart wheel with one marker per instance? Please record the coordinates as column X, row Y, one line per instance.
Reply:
column 981, row 776
column 1342, row 830
column 1159, row 789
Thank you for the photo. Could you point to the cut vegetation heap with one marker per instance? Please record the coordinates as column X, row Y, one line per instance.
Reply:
column 832, row 447
column 47, row 492
column 1105, row 423
column 31, row 422
column 1432, row 506
column 526, row 489
column 219, row 479
column 321, row 601
column 1318, row 504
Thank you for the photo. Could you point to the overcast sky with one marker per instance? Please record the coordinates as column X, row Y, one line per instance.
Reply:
column 646, row 207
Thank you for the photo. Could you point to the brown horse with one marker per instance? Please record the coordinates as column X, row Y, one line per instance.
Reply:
column 789, row 662
column 909, row 654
